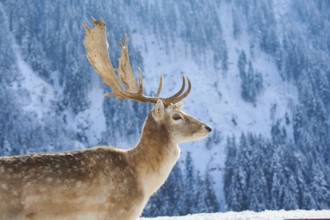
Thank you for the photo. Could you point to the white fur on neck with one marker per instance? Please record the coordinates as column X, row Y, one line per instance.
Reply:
column 152, row 180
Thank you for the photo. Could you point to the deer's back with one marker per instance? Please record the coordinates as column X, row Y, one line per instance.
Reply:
column 95, row 183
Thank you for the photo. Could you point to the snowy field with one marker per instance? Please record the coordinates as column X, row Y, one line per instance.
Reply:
column 249, row 215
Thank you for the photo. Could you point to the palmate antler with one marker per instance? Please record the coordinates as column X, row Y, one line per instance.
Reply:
column 97, row 45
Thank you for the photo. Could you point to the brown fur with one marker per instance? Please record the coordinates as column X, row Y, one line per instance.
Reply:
column 96, row 183
column 61, row 182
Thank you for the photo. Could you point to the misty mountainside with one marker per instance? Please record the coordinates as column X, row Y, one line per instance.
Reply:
column 260, row 74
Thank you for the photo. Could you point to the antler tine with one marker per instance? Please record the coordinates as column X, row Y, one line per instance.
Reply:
column 85, row 26
column 187, row 91
column 160, row 86
column 174, row 97
column 140, row 92
column 124, row 70
column 179, row 96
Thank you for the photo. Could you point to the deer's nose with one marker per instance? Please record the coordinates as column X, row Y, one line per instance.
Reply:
column 207, row 128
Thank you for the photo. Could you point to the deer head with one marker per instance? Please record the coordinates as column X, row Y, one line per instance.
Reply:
column 180, row 126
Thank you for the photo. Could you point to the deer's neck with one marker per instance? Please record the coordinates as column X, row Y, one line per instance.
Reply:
column 154, row 156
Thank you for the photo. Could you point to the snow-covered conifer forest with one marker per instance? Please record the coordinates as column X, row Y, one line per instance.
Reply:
column 260, row 71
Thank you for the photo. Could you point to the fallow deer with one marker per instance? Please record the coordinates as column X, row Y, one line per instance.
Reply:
column 101, row 182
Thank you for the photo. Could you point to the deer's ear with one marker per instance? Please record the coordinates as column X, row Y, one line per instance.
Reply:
column 158, row 111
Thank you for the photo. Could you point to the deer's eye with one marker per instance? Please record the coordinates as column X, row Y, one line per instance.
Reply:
column 176, row 117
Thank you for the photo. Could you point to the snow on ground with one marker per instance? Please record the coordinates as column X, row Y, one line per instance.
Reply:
column 249, row 215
